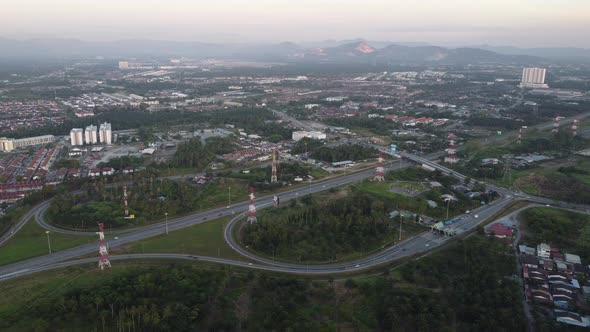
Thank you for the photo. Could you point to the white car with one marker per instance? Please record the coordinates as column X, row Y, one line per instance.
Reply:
column 476, row 216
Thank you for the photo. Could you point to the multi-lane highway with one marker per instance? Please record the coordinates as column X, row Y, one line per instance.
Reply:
column 414, row 246
column 175, row 224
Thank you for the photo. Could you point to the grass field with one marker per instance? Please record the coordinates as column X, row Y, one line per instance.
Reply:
column 218, row 194
column 204, row 239
column 178, row 171
column 31, row 241
column 379, row 188
column 419, row 203
column 528, row 180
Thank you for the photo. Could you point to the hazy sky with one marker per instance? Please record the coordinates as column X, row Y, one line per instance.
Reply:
column 446, row 22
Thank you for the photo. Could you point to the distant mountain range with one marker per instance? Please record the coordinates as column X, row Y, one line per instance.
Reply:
column 400, row 54
column 351, row 51
column 545, row 52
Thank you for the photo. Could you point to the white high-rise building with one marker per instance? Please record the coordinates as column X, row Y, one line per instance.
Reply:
column 105, row 134
column 91, row 135
column 533, row 78
column 77, row 136
column 123, row 64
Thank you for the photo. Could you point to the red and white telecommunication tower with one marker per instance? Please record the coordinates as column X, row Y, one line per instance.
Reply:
column 273, row 177
column 102, row 249
column 252, row 208
column 451, row 157
column 379, row 171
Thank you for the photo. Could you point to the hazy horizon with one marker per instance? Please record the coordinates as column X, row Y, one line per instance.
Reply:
column 528, row 23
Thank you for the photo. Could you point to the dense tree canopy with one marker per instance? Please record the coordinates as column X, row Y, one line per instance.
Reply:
column 148, row 199
column 564, row 229
column 462, row 288
column 198, row 155
column 322, row 230
column 352, row 152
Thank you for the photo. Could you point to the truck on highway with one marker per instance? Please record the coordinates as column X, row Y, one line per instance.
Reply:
column 428, row 167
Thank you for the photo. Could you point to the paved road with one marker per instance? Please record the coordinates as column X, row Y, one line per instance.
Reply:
column 291, row 119
column 525, row 305
column 413, row 246
column 416, row 245
column 502, row 190
column 542, row 126
column 22, row 222
column 182, row 222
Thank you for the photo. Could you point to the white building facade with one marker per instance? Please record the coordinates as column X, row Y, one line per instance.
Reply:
column 298, row 135
column 533, row 78
column 91, row 135
column 105, row 134
column 77, row 136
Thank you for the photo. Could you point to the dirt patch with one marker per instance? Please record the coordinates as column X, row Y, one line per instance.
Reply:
column 556, row 186
column 555, row 164
column 408, row 188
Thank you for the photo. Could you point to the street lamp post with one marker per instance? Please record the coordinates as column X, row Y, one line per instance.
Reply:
column 166, row 214
column 48, row 242
column 448, row 204
column 228, row 196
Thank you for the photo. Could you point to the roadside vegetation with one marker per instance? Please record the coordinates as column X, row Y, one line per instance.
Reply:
column 567, row 230
column 423, row 178
column 149, row 199
column 259, row 177
column 352, row 152
column 462, row 288
column 570, row 181
column 16, row 212
column 321, row 229
column 204, row 239
column 31, row 241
